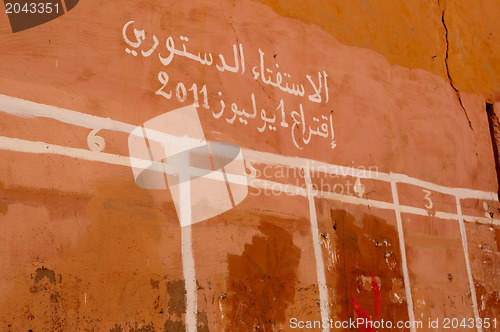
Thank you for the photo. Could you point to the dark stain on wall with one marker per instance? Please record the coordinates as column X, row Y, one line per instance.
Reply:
column 116, row 328
column 176, row 292
column 177, row 326
column 488, row 303
column 41, row 274
column 370, row 279
column 171, row 326
column 111, row 278
column 262, row 280
column 146, row 328
column 497, row 238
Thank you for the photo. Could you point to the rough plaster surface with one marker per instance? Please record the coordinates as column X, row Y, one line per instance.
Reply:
column 82, row 247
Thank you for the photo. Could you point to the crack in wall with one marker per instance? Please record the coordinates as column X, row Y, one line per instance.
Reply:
column 448, row 69
column 494, row 125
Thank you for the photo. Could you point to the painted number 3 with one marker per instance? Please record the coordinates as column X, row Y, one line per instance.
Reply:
column 427, row 198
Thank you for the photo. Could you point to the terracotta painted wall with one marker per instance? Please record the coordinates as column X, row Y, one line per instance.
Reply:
column 372, row 185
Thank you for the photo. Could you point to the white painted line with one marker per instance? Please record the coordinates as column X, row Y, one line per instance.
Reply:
column 448, row 215
column 188, row 271
column 318, row 255
column 21, row 145
column 188, row 265
column 314, row 165
column 402, row 249
column 355, row 200
column 24, row 108
column 460, row 192
column 28, row 109
column 472, row 287
column 482, row 220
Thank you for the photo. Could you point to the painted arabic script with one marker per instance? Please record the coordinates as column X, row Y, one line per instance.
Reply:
column 316, row 89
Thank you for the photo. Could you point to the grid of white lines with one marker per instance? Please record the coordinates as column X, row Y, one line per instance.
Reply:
column 24, row 108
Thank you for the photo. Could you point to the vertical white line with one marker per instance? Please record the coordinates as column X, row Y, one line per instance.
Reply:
column 463, row 234
column 188, row 268
column 402, row 248
column 320, row 269
column 189, row 278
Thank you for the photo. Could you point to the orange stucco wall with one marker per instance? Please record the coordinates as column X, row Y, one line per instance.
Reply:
column 374, row 195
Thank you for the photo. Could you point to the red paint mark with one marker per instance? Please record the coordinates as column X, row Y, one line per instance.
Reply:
column 376, row 298
column 363, row 251
column 361, row 313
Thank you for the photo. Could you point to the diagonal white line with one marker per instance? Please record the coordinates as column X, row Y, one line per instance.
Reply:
column 21, row 145
column 24, row 108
